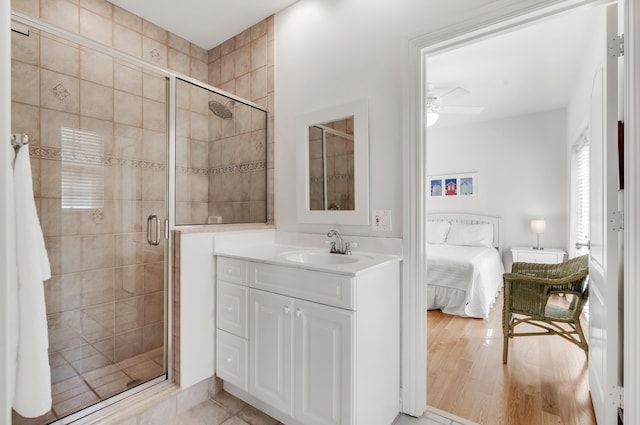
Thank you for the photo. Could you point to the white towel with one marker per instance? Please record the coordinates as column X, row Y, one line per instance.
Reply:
column 12, row 302
column 32, row 396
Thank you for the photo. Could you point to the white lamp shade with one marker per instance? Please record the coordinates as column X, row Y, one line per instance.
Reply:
column 538, row 226
column 432, row 117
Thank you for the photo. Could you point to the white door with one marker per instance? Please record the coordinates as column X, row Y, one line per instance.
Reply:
column 323, row 364
column 605, row 287
column 270, row 349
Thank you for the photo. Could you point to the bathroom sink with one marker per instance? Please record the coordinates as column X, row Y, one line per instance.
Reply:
column 318, row 257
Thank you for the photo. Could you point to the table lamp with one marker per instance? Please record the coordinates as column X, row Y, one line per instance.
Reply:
column 537, row 227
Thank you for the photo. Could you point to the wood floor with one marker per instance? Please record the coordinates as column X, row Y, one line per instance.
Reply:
column 545, row 381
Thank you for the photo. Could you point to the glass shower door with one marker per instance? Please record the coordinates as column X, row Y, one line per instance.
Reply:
column 98, row 131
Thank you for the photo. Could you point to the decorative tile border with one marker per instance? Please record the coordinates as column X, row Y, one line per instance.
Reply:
column 43, row 152
column 226, row 169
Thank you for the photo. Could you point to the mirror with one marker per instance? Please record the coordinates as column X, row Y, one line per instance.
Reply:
column 332, row 165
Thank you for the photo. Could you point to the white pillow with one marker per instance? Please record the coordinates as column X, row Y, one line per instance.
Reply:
column 437, row 231
column 470, row 234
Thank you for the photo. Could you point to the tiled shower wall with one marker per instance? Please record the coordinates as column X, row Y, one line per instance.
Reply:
column 245, row 66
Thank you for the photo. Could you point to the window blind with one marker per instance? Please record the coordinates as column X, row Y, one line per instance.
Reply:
column 582, row 194
column 82, row 169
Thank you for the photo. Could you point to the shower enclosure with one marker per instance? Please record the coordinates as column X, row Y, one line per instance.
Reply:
column 117, row 147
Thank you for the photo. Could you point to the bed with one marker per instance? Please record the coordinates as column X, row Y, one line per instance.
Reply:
column 464, row 263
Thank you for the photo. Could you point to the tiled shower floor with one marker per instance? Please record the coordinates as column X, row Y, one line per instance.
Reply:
column 72, row 391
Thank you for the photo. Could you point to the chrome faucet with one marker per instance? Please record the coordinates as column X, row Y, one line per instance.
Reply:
column 339, row 246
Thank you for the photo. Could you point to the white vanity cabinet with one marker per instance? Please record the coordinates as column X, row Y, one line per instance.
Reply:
column 323, row 348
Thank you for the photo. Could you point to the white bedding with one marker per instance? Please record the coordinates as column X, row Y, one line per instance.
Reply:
column 463, row 280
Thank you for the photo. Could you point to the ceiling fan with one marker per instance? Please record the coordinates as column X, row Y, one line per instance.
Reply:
column 437, row 99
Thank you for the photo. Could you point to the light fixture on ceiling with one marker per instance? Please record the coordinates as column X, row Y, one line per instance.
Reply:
column 432, row 114
column 432, row 117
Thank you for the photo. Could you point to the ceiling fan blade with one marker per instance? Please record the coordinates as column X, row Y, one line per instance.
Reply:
column 461, row 109
column 453, row 94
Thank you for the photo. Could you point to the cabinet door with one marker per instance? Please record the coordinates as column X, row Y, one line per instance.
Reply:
column 270, row 349
column 231, row 310
column 323, row 364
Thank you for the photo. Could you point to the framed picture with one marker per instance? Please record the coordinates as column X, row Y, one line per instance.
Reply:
column 460, row 185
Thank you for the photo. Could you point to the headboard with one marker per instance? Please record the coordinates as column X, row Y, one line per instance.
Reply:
column 464, row 218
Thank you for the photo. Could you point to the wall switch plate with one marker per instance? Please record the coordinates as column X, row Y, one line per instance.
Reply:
column 381, row 220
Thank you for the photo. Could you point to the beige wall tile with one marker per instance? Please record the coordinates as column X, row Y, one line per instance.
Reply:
column 183, row 96
column 242, row 60
column 199, row 70
column 243, row 86
column 96, row 101
column 198, row 53
column 58, row 91
column 182, row 152
column 178, row 43
column 128, row 251
column 154, row 87
column 127, row 40
column 129, row 314
column 178, row 61
column 154, row 146
column 52, row 122
column 199, row 212
column 97, row 252
column 153, row 277
column 259, row 52
column 62, row 293
column 128, row 185
column 153, row 185
column 227, row 67
column 127, row 108
column 128, row 345
column 25, row 48
column 26, row 119
column 104, row 130
column 199, row 154
column 199, row 100
column 64, row 330
column 242, row 39
column 259, row 83
column 96, row 67
column 61, row 13
column 51, row 187
column 59, row 56
column 199, row 188
column 127, row 19
column 214, row 54
column 154, row 115
column 97, row 322
column 154, row 51
column 101, row 7
column 227, row 47
column 99, row 220
column 154, row 32
column 199, row 126
column 127, row 144
column 31, row 7
column 214, row 73
column 129, row 281
column 25, row 83
column 97, row 287
column 96, row 27
column 153, row 337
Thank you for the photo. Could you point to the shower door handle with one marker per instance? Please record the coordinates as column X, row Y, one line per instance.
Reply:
column 156, row 241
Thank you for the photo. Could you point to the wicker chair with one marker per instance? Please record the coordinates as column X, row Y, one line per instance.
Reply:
column 526, row 292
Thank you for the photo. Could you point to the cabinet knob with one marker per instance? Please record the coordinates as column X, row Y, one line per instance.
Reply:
column 229, row 309
column 298, row 312
column 285, row 309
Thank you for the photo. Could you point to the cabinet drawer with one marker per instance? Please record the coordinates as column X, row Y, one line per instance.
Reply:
column 231, row 308
column 231, row 359
column 231, row 270
column 539, row 257
column 326, row 288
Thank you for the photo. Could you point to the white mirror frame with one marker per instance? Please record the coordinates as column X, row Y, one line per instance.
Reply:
column 359, row 110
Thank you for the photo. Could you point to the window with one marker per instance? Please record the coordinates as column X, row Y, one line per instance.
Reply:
column 82, row 169
column 582, row 197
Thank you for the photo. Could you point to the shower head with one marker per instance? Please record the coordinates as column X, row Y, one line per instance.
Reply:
column 221, row 110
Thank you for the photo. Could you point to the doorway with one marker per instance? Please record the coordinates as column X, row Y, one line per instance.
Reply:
column 435, row 44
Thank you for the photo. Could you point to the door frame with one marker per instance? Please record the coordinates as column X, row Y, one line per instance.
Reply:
column 499, row 16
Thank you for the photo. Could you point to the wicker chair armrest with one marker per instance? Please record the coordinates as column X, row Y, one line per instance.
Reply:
column 524, row 278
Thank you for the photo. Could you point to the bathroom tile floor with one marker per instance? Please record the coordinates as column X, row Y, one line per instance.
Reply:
column 225, row 409
column 73, row 390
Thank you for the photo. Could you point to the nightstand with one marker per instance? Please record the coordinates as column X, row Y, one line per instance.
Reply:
column 531, row 255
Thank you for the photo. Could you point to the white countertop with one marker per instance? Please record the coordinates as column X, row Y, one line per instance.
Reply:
column 271, row 253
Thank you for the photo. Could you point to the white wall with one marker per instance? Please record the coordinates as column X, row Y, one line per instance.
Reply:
column 330, row 52
column 521, row 163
